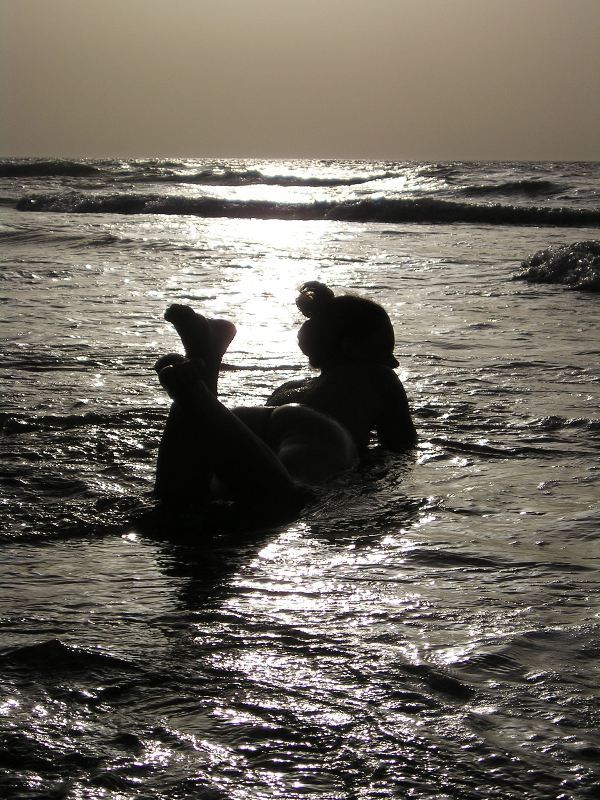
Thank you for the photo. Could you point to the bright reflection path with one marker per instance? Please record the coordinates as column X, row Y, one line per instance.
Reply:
column 273, row 258
column 429, row 626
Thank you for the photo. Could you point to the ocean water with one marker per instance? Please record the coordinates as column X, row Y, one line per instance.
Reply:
column 428, row 629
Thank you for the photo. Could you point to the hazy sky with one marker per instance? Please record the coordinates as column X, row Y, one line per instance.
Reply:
column 397, row 79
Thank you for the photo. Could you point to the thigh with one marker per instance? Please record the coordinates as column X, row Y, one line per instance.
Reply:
column 256, row 418
column 312, row 446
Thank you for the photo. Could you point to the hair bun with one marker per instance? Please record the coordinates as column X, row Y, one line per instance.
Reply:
column 313, row 298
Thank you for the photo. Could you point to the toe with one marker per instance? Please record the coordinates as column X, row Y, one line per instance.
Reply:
column 177, row 311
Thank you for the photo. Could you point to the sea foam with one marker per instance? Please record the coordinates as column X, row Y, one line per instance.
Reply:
column 575, row 265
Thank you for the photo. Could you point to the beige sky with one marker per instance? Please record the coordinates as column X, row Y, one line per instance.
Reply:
column 391, row 79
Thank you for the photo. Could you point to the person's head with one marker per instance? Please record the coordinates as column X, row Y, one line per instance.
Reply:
column 344, row 329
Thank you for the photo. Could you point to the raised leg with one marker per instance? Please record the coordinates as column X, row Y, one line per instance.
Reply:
column 184, row 470
column 215, row 437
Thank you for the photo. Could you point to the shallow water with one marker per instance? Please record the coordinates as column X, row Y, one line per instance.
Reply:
column 430, row 629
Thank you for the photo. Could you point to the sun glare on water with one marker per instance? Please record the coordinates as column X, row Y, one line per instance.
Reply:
column 260, row 292
column 257, row 288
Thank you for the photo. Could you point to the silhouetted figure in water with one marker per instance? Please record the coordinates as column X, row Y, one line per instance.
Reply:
column 310, row 430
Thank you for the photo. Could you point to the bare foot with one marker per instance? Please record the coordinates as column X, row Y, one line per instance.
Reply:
column 184, row 382
column 201, row 337
column 192, row 328
column 207, row 339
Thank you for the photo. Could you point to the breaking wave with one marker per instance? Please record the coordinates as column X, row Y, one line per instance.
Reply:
column 373, row 209
column 574, row 265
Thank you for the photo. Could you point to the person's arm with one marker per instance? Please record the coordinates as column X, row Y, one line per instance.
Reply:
column 289, row 392
column 394, row 426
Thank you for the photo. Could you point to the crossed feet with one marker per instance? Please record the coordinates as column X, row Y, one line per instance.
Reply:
column 205, row 342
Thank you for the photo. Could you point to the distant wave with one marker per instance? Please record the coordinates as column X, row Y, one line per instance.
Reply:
column 374, row 209
column 176, row 172
column 529, row 187
column 251, row 177
column 574, row 265
column 443, row 171
column 46, row 168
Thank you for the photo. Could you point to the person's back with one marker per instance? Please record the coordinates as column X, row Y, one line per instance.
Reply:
column 362, row 397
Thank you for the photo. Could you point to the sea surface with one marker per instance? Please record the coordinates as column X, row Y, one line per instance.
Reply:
column 429, row 628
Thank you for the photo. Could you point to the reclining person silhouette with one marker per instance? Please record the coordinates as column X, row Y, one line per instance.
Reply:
column 310, row 430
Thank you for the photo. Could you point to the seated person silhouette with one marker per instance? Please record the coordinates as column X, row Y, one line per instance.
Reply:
column 310, row 430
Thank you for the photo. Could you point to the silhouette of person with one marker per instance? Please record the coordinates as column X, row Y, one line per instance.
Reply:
column 310, row 430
